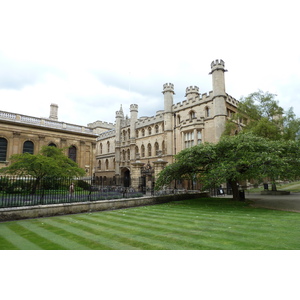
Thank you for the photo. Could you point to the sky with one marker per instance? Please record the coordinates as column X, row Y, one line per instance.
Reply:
column 90, row 57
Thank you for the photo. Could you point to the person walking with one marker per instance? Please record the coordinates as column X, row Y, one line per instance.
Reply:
column 71, row 190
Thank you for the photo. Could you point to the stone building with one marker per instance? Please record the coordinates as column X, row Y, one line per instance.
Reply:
column 21, row 133
column 133, row 152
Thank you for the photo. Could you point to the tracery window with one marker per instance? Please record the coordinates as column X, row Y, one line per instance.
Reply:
column 142, row 151
column 149, row 150
column 156, row 148
column 189, row 139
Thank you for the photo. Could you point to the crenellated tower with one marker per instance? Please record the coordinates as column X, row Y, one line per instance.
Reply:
column 192, row 92
column 168, row 91
column 219, row 97
column 133, row 120
column 119, row 119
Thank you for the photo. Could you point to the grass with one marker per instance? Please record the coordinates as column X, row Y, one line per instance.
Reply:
column 293, row 187
column 191, row 224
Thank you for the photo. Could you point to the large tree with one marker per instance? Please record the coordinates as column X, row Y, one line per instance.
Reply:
column 234, row 159
column 265, row 117
column 49, row 162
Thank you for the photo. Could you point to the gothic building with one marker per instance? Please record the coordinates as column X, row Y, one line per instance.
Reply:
column 131, row 151
column 137, row 149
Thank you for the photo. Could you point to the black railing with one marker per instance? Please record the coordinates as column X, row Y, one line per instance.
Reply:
column 27, row 191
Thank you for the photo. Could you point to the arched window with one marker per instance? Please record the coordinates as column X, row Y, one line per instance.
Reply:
column 156, row 129
column 52, row 145
column 72, row 153
column 207, row 112
column 108, row 147
column 123, row 155
column 156, row 148
column 143, row 151
column 101, row 147
column 192, row 115
column 106, row 164
column 149, row 150
column 128, row 154
column 99, row 164
column 128, row 133
column 143, row 132
column 3, row 149
column 137, row 133
column 136, row 151
column 28, row 147
column 178, row 119
column 163, row 147
column 149, row 130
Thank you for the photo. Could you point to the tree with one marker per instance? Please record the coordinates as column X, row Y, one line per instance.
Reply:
column 49, row 162
column 265, row 117
column 234, row 159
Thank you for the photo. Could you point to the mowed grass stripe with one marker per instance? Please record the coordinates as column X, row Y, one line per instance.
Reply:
column 231, row 232
column 117, row 234
column 145, row 238
column 93, row 241
column 130, row 235
column 50, row 240
column 18, row 239
column 164, row 235
column 83, row 242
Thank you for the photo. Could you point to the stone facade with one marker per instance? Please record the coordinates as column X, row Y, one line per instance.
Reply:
column 131, row 151
column 20, row 133
column 137, row 149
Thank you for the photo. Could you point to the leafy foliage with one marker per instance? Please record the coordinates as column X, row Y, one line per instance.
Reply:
column 50, row 161
column 235, row 158
column 265, row 117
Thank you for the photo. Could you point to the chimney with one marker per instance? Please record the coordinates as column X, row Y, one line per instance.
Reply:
column 53, row 112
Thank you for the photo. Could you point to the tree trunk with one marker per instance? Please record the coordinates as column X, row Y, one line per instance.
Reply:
column 35, row 185
column 235, row 190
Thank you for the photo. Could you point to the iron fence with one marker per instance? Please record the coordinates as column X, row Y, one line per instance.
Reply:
column 18, row 191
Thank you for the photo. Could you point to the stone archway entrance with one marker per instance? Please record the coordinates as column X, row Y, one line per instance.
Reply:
column 126, row 179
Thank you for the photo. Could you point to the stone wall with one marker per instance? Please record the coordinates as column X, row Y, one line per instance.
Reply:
column 39, row 211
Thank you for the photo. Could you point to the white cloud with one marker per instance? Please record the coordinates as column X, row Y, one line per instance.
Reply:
column 90, row 57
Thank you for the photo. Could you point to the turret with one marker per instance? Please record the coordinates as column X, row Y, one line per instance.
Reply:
column 219, row 97
column 218, row 80
column 192, row 92
column 119, row 118
column 168, row 91
column 133, row 119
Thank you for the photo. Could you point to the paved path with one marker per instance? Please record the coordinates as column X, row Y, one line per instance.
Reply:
column 281, row 202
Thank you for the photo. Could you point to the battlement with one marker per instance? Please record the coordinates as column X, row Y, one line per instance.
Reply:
column 134, row 107
column 119, row 114
column 101, row 124
column 192, row 90
column 168, row 87
column 217, row 63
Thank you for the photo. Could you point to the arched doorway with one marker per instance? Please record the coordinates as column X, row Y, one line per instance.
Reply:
column 126, row 177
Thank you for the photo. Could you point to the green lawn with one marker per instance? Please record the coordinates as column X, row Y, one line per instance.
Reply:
column 216, row 223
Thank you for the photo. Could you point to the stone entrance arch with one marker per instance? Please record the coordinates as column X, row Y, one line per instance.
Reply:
column 126, row 178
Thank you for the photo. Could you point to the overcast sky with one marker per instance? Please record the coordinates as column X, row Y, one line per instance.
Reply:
column 89, row 57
